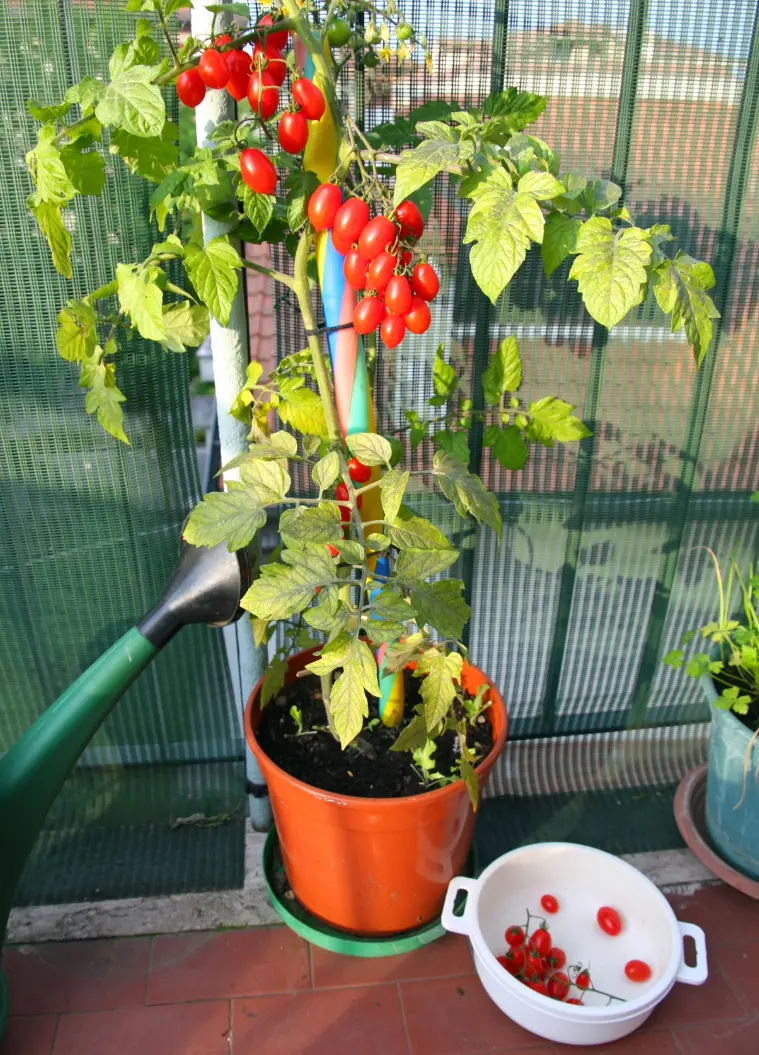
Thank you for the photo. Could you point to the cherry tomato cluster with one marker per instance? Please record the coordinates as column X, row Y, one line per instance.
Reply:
column 378, row 260
column 533, row 959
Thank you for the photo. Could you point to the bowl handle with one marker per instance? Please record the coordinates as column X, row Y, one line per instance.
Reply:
column 459, row 924
column 693, row 975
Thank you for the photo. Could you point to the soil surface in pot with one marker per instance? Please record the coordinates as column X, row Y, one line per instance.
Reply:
column 371, row 770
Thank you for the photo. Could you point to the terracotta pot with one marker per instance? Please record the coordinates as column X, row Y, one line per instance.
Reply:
column 372, row 866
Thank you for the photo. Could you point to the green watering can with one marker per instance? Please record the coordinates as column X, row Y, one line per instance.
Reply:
column 206, row 587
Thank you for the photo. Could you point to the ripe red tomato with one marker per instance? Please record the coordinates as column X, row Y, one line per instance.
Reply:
column 515, row 936
column 275, row 64
column 278, row 38
column 213, row 68
column 190, row 88
column 381, row 270
column 582, row 981
column 556, row 958
column 637, row 971
column 408, row 216
column 541, row 941
column 406, row 257
column 533, row 962
column 558, row 986
column 392, row 331
column 292, row 132
column 376, row 236
column 239, row 74
column 309, row 98
column 354, row 269
column 333, row 550
column 539, row 986
column 322, row 206
column 418, row 318
column 341, row 492
column 609, row 921
column 398, row 295
column 426, row 285
column 503, row 962
column 351, row 219
column 219, row 42
column 548, row 902
column 345, row 513
column 368, row 315
column 258, row 171
column 263, row 94
column 574, row 1000
column 359, row 473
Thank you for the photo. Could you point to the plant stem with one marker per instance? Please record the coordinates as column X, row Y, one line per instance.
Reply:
column 169, row 41
column 261, row 269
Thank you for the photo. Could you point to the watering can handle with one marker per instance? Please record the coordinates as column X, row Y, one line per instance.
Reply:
column 693, row 975
column 459, row 924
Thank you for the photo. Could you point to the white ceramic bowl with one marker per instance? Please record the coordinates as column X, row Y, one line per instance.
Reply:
column 582, row 879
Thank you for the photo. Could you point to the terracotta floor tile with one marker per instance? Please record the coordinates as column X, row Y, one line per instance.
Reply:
column 455, row 1016
column 687, row 1004
column 227, row 963
column 357, row 1021
column 179, row 1029
column 741, row 969
column 659, row 1043
column 30, row 1035
column 735, row 1038
column 60, row 977
column 726, row 916
column 448, row 956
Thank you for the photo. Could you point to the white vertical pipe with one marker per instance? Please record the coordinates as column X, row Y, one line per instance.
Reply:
column 229, row 347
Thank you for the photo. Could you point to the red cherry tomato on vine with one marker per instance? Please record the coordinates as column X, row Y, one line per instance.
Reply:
column 263, row 94
column 219, row 42
column 392, row 331
column 376, row 236
column 516, row 956
column 515, row 936
column 533, row 962
column 418, row 318
column 609, row 921
column 239, row 74
column 309, row 98
column 426, row 285
column 541, row 941
column 408, row 216
column 381, row 270
column 350, row 220
column 406, row 256
column 558, row 986
column 190, row 88
column 539, row 986
column 582, row 981
column 322, row 206
column 556, row 958
column 213, row 68
column 368, row 315
column 275, row 64
column 359, row 473
column 333, row 550
column 292, row 132
column 637, row 971
column 398, row 295
column 574, row 1000
column 278, row 38
column 341, row 492
column 354, row 269
column 548, row 902
column 258, row 171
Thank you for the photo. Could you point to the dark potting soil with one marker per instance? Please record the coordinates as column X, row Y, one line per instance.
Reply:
column 370, row 770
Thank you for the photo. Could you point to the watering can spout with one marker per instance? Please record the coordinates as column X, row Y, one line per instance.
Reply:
column 206, row 587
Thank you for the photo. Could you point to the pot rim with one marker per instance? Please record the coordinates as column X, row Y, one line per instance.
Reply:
column 358, row 802
column 601, row 1015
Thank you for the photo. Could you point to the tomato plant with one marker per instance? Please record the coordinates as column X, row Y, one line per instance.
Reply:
column 357, row 187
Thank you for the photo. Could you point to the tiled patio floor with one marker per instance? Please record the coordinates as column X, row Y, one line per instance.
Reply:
column 265, row 992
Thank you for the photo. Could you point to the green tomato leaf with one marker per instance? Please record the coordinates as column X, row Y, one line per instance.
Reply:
column 412, row 532
column 503, row 373
column 141, row 298
column 274, row 679
column 152, row 158
column 517, row 109
column 326, row 471
column 413, row 737
column 422, row 164
column 232, row 516
column 284, row 589
column 300, row 185
column 48, row 114
column 303, row 410
column 259, row 208
column 469, row 777
column 453, row 442
column 443, row 377
column 186, row 325
column 50, row 221
column 441, row 605
column 131, row 102
column 85, row 170
column 369, row 447
column 391, row 605
column 466, row 491
column 440, row 673
column 680, row 290
column 610, row 269
column 213, row 272
column 77, row 335
column 551, row 420
column 377, row 542
column 350, row 552
column 392, row 489
column 269, row 480
column 104, row 399
column 559, row 240
column 304, row 526
column 509, row 447
column 600, row 195
column 541, row 185
column 87, row 93
column 45, row 164
column 418, row 428
column 415, row 565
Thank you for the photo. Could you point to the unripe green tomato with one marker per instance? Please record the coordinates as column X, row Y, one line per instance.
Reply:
column 371, row 60
column 404, row 31
column 520, row 421
column 338, row 32
column 505, row 418
column 466, row 404
column 513, row 402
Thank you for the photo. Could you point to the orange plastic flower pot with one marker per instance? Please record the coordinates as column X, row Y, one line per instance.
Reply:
column 372, row 866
